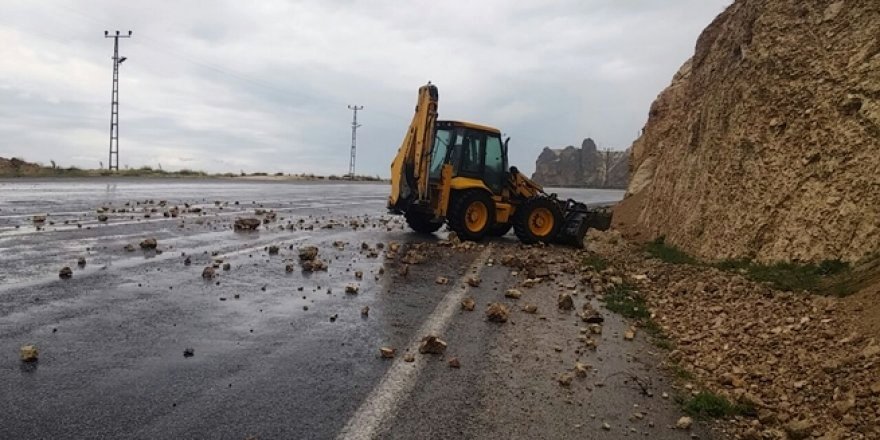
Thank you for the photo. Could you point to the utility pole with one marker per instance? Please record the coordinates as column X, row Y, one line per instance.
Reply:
column 354, row 127
column 114, row 101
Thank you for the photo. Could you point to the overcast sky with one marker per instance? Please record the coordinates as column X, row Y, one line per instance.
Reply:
column 264, row 85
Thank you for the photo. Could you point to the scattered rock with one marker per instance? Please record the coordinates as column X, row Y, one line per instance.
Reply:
column 81, row 261
column 208, row 273
column 149, row 244
column 565, row 302
column 513, row 293
column 387, row 352
column 352, row 288
column 684, row 423
column 581, row 370
column 530, row 308
column 315, row 265
column 442, row 280
column 65, row 273
column 189, row 352
column 308, row 253
column 129, row 247
column 799, row 429
column 565, row 379
column 246, row 224
column 497, row 312
column 227, row 266
column 359, row 274
column 28, row 353
column 629, row 334
column 102, row 218
column 365, row 311
column 474, row 281
column 409, row 357
column 454, row 362
column 273, row 250
column 432, row 344
column 468, row 304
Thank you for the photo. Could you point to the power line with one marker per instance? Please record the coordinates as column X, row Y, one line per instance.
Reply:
column 354, row 127
column 114, row 101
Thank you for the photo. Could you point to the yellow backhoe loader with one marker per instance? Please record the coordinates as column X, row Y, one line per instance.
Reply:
column 457, row 173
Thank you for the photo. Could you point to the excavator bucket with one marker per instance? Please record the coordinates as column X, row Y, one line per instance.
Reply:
column 578, row 219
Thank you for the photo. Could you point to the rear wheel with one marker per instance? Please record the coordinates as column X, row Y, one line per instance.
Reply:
column 472, row 215
column 421, row 222
column 537, row 219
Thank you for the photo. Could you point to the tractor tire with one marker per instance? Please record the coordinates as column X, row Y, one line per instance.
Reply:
column 421, row 222
column 537, row 220
column 500, row 229
column 472, row 215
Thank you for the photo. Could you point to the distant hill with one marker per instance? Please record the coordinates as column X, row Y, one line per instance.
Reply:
column 582, row 167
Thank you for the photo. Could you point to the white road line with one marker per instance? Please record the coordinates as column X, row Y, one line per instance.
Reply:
column 380, row 407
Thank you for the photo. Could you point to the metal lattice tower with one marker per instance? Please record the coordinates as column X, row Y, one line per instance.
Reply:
column 354, row 127
column 114, row 101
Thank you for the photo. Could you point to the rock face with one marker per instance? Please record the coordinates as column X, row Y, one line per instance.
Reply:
column 582, row 167
column 767, row 143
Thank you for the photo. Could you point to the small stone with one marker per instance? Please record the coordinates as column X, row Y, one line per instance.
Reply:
column 565, row 379
column 468, row 304
column 365, row 311
column 387, row 352
column 65, row 273
column 606, row 426
column 189, row 352
column 273, row 250
column 409, row 357
column 308, row 253
column 565, row 302
column 359, row 274
column 289, row 267
column 81, row 262
column 149, row 244
column 530, row 308
column 352, row 289
column 208, row 273
column 432, row 344
column 243, row 224
column 799, row 429
column 28, row 353
column 187, row 261
column 227, row 266
column 513, row 293
column 473, row 281
column 442, row 281
column 629, row 334
column 581, row 370
column 454, row 362
column 497, row 312
column 684, row 423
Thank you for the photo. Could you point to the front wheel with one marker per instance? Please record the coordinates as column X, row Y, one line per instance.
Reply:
column 421, row 222
column 472, row 215
column 537, row 220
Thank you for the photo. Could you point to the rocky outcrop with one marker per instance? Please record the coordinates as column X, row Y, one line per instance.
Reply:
column 16, row 167
column 582, row 167
column 767, row 143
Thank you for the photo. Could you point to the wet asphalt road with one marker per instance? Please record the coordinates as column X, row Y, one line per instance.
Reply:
column 269, row 362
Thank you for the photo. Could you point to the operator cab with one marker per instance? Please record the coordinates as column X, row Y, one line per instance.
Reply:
column 473, row 150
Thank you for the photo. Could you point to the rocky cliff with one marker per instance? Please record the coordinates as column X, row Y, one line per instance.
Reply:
column 582, row 167
column 767, row 143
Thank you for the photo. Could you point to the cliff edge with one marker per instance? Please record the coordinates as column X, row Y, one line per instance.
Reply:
column 766, row 144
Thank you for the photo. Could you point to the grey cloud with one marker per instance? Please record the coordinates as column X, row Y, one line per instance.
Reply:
column 264, row 86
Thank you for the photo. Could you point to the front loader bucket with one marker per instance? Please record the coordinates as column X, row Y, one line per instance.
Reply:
column 578, row 219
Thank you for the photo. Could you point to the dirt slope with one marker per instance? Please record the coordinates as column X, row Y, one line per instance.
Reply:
column 767, row 142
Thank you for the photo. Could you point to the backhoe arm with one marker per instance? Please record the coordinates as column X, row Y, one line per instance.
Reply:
column 409, row 170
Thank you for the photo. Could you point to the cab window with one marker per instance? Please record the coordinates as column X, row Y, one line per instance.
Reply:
column 494, row 175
